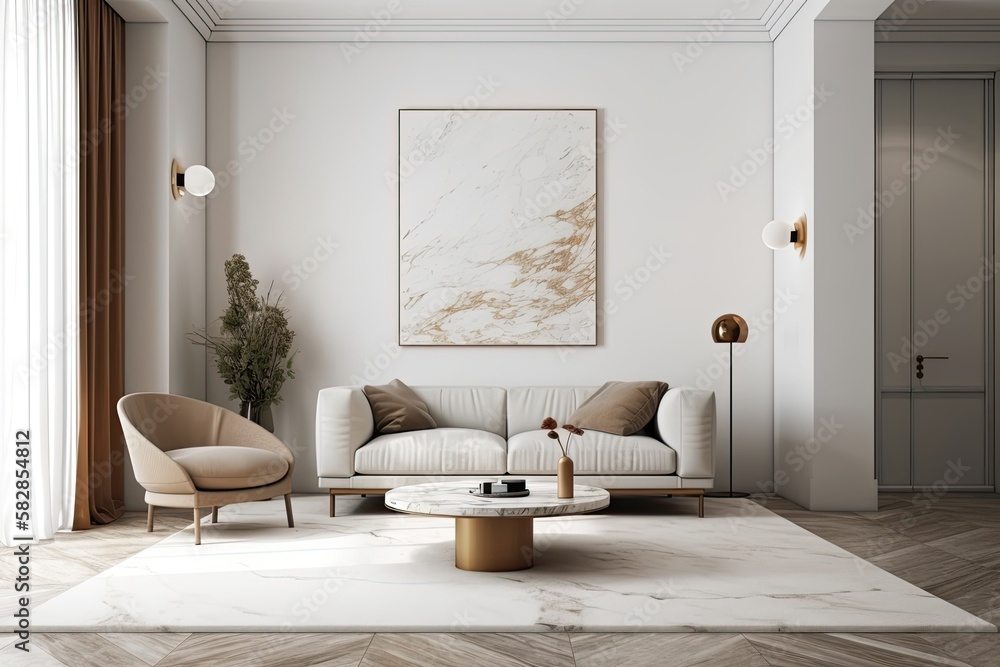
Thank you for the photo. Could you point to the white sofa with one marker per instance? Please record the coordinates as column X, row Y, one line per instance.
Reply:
column 486, row 432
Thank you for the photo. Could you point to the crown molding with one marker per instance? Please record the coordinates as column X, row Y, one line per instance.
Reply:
column 937, row 30
column 781, row 14
column 217, row 28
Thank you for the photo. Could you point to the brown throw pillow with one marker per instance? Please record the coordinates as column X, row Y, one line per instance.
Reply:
column 621, row 408
column 396, row 408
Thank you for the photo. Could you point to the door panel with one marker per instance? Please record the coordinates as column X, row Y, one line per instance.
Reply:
column 894, row 458
column 935, row 190
column 949, row 199
column 948, row 435
column 894, row 234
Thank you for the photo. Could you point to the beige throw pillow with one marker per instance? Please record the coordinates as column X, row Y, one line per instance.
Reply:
column 396, row 408
column 620, row 408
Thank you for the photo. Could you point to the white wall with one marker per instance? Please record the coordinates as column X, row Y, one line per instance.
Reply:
column 824, row 346
column 321, row 180
column 844, row 282
column 165, row 245
column 794, row 131
column 188, row 64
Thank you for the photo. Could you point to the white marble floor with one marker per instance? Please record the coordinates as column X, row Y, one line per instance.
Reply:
column 741, row 568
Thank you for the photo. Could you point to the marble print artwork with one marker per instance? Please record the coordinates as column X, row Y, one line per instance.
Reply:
column 633, row 567
column 497, row 227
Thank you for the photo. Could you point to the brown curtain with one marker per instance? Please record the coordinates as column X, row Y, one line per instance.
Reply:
column 101, row 457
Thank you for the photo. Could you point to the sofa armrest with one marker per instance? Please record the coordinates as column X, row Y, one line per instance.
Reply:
column 343, row 423
column 686, row 422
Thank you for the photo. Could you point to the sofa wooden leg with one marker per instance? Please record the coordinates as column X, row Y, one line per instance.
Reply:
column 288, row 510
column 215, row 515
column 197, row 526
column 333, row 503
column 701, row 506
column 149, row 519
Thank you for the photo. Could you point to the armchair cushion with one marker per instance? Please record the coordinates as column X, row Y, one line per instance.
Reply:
column 225, row 467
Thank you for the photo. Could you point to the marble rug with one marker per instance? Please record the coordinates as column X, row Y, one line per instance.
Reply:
column 641, row 565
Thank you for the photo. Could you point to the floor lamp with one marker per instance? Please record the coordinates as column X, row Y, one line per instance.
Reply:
column 729, row 328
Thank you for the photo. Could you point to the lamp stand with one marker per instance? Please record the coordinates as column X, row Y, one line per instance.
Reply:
column 730, row 493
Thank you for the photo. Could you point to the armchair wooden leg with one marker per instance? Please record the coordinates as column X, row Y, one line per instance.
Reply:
column 215, row 515
column 333, row 504
column 701, row 506
column 197, row 526
column 149, row 519
column 288, row 510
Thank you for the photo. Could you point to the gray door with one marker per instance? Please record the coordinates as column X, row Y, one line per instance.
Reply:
column 934, row 224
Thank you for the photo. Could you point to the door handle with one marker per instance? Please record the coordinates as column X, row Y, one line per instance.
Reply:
column 920, row 364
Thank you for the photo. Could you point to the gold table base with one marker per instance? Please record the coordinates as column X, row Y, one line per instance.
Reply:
column 494, row 544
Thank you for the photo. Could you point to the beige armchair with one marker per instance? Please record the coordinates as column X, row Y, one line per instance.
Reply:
column 191, row 454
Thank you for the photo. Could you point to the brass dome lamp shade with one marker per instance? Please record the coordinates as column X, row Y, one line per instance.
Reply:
column 730, row 328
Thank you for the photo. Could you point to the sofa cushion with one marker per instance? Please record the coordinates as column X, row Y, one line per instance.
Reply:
column 596, row 453
column 528, row 406
column 621, row 408
column 480, row 408
column 396, row 409
column 221, row 467
column 442, row 451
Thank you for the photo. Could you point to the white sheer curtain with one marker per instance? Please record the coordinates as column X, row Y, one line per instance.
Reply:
column 39, row 255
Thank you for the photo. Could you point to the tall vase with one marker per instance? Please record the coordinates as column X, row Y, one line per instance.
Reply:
column 564, row 477
column 259, row 414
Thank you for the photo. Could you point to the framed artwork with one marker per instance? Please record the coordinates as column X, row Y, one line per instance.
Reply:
column 497, row 227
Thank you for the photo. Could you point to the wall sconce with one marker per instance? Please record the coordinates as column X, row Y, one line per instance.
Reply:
column 196, row 179
column 779, row 234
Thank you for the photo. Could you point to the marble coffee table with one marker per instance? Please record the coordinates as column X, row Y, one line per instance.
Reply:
column 493, row 534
